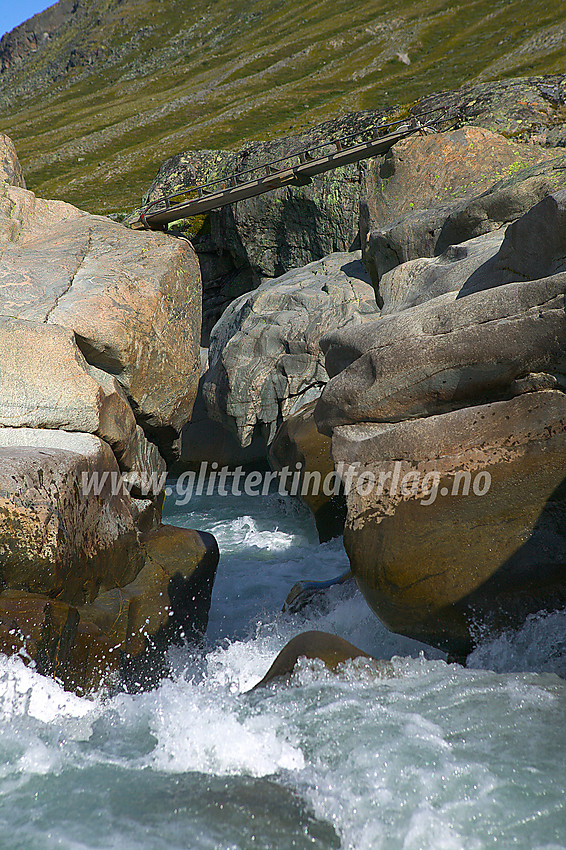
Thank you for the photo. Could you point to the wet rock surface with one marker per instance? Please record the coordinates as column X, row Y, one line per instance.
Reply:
column 298, row 444
column 92, row 585
column 469, row 531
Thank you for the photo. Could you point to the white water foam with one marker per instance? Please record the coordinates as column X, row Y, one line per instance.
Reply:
column 436, row 757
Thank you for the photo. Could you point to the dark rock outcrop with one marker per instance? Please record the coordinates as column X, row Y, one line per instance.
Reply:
column 268, row 235
column 299, row 445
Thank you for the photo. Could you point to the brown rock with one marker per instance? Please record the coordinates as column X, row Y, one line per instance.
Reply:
column 437, row 564
column 56, row 538
column 422, row 172
column 86, row 614
column 412, row 209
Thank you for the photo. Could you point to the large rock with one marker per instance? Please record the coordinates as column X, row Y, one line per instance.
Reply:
column 452, row 209
column 526, row 109
column 438, row 357
column 417, row 281
column 83, row 593
column 448, row 430
column 422, row 172
column 45, row 382
column 464, row 525
column 132, row 299
column 264, row 356
column 10, row 168
column 57, row 537
column 444, row 353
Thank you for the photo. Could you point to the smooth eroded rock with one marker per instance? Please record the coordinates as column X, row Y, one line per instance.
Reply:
column 264, row 356
column 443, row 355
column 45, row 382
column 417, row 281
column 457, row 522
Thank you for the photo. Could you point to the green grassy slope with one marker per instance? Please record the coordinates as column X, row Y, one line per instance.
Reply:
column 124, row 84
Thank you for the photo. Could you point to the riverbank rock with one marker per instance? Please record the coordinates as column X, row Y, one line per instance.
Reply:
column 298, row 445
column 468, row 532
column 58, row 539
column 99, row 365
column 91, row 583
column 479, row 348
column 132, row 300
column 264, row 356
column 464, row 392
column 47, row 383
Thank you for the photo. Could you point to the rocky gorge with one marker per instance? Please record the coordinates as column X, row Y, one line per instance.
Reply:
column 443, row 358
column 401, row 321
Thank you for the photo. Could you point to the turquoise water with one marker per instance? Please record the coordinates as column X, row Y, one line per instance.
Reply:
column 436, row 756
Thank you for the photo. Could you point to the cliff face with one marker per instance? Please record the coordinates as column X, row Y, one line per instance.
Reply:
column 97, row 93
column 36, row 34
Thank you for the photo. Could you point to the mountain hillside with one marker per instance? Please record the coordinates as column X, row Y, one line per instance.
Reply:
column 96, row 94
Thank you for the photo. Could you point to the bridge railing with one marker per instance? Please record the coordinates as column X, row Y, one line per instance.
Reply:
column 276, row 166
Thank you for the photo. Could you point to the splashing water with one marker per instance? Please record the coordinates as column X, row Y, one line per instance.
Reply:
column 436, row 756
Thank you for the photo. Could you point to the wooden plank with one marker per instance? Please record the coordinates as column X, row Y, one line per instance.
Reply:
column 300, row 173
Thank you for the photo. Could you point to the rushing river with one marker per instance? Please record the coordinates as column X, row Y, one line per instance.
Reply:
column 436, row 756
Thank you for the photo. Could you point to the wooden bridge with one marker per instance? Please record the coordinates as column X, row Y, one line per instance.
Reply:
column 295, row 169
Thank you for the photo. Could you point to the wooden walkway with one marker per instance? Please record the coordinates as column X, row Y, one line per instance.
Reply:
column 296, row 169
